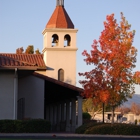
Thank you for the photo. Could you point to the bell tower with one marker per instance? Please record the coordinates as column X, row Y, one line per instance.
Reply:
column 59, row 48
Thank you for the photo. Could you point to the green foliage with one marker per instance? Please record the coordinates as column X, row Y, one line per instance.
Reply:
column 7, row 126
column 25, row 126
column 109, row 129
column 88, row 105
column 86, row 116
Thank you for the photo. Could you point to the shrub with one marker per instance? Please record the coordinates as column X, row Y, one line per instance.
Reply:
column 86, row 116
column 85, row 126
column 7, row 126
column 115, row 129
column 110, row 129
column 25, row 126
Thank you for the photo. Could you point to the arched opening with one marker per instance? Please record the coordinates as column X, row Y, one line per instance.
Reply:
column 55, row 40
column 67, row 40
column 61, row 75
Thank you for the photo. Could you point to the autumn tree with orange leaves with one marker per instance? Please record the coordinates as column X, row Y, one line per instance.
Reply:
column 112, row 79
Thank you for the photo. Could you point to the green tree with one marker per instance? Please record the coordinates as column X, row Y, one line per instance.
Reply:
column 88, row 106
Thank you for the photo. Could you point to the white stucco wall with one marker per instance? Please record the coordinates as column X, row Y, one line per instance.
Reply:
column 6, row 95
column 32, row 89
column 62, row 60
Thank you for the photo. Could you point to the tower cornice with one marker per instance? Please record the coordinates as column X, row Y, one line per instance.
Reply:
column 59, row 49
column 59, row 30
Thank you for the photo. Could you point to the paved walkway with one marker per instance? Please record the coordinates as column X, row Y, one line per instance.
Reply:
column 63, row 135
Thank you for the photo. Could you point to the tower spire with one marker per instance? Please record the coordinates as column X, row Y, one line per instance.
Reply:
column 60, row 18
column 59, row 2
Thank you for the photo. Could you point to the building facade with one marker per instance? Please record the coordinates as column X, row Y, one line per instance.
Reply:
column 43, row 86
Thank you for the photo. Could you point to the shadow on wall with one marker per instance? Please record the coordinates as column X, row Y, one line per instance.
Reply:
column 49, row 68
column 61, row 77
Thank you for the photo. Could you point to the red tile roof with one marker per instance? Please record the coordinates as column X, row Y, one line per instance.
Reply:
column 8, row 60
column 60, row 19
column 80, row 90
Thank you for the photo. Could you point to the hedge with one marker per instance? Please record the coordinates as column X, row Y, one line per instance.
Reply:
column 25, row 126
column 81, row 129
column 86, row 116
column 109, row 129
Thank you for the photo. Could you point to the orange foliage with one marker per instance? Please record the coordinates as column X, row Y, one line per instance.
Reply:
column 137, row 77
column 114, row 57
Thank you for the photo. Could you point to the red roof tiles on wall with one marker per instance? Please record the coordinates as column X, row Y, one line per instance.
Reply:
column 22, row 60
column 60, row 19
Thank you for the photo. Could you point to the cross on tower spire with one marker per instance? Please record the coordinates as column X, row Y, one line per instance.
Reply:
column 59, row 2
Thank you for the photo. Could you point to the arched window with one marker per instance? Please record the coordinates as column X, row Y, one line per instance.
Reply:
column 55, row 40
column 67, row 40
column 61, row 75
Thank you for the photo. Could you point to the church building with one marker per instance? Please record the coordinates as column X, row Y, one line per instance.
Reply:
column 43, row 86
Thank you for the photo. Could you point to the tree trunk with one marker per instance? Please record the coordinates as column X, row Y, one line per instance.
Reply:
column 112, row 115
column 103, row 112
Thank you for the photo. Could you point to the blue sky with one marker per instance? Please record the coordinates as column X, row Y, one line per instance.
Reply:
column 22, row 23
